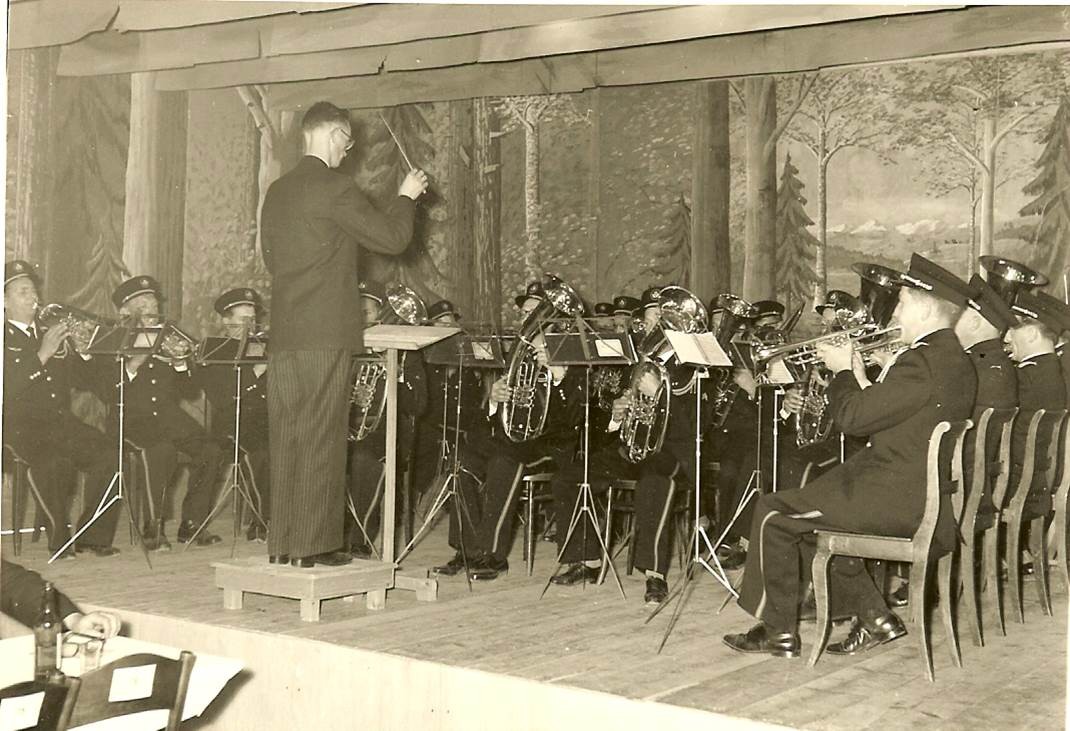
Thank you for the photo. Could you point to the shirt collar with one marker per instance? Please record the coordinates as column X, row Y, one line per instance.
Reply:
column 25, row 327
column 924, row 335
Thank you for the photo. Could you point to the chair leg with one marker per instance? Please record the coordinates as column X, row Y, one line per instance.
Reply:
column 1039, row 548
column 1014, row 565
column 919, row 578
column 529, row 531
column 1059, row 530
column 994, row 587
column 969, row 599
column 944, row 584
column 631, row 544
column 17, row 508
column 820, row 572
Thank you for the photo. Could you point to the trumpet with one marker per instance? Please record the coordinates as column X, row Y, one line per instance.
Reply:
column 867, row 339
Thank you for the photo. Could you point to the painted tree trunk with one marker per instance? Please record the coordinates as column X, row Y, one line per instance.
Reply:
column 821, row 255
column 153, row 235
column 759, row 264
column 531, row 200
column 988, row 185
column 711, row 259
column 459, row 206
column 487, row 279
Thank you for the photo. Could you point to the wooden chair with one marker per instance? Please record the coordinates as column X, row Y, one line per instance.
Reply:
column 54, row 712
column 22, row 474
column 535, row 491
column 914, row 550
column 988, row 467
column 1012, row 514
column 1058, row 538
column 170, row 680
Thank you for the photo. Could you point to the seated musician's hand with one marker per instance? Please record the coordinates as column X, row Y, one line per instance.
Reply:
column 837, row 357
column 881, row 357
column 621, row 406
column 499, row 392
column 52, row 341
column 743, row 378
column 95, row 624
column 541, row 356
column 414, row 184
column 858, row 367
column 793, row 401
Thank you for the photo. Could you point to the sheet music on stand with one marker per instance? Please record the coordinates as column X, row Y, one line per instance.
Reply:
column 250, row 348
column 590, row 348
column 471, row 351
column 700, row 349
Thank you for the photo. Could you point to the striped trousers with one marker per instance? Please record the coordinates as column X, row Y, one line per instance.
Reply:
column 308, row 409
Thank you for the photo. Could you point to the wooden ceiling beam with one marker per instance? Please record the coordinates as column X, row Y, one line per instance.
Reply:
column 862, row 42
column 147, row 15
column 37, row 23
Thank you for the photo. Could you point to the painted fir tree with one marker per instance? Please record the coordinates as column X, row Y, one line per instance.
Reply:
column 672, row 255
column 796, row 246
column 1051, row 188
column 106, row 271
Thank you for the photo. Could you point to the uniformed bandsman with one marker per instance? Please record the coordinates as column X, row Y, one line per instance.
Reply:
column 39, row 371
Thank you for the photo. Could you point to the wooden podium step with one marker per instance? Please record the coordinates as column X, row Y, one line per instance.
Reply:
column 311, row 586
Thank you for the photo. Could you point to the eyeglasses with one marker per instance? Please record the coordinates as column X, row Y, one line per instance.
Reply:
column 349, row 138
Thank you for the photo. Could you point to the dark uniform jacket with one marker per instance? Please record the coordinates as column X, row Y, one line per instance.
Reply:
column 21, row 591
column 930, row 382
column 35, row 396
column 313, row 222
column 218, row 383
column 1040, row 386
column 997, row 388
column 152, row 413
column 1064, row 363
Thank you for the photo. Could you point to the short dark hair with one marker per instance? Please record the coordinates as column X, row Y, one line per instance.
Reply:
column 1045, row 331
column 323, row 113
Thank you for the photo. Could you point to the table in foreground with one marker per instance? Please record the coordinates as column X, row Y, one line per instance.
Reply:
column 210, row 675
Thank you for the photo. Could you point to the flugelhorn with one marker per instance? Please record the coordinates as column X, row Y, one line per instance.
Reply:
column 82, row 326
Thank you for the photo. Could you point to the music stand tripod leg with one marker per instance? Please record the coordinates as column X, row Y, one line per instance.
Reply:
column 584, row 509
column 360, row 525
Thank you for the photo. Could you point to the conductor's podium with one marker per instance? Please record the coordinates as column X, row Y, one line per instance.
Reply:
column 371, row 578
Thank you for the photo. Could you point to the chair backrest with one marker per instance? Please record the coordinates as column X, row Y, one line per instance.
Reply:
column 944, row 458
column 52, row 713
column 1055, row 451
column 132, row 684
column 1044, row 422
column 987, row 465
column 1063, row 488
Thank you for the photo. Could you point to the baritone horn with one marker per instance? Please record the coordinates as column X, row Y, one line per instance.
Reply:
column 523, row 416
column 367, row 396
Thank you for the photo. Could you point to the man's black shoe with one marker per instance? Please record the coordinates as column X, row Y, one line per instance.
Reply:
column 101, row 551
column 656, row 590
column 204, row 538
column 454, row 566
column 867, row 635
column 731, row 555
column 487, row 568
column 576, row 573
column 328, row 558
column 282, row 558
column 900, row 597
column 155, row 539
column 361, row 550
column 759, row 639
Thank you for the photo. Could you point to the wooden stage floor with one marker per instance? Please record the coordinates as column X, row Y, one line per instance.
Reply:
column 590, row 638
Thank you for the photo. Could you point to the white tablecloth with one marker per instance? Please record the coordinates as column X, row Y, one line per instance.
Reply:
column 210, row 674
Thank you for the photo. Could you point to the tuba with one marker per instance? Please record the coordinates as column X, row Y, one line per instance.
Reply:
column 523, row 416
column 643, row 430
column 82, row 326
column 1008, row 277
column 736, row 315
column 367, row 396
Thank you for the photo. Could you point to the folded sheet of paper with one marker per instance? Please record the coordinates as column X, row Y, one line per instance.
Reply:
column 702, row 349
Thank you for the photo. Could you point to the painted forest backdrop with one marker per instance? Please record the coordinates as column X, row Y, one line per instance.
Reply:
column 949, row 158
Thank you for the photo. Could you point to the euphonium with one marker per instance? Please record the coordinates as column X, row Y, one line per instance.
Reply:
column 82, row 326
column 367, row 397
column 523, row 416
column 736, row 315
column 643, row 430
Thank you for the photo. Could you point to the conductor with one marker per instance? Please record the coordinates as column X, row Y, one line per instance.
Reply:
column 313, row 223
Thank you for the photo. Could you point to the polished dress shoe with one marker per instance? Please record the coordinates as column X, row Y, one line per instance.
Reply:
column 361, row 550
column 487, row 568
column 155, row 540
column 282, row 558
column 759, row 639
column 576, row 573
column 327, row 558
column 454, row 566
column 867, row 635
column 900, row 597
column 656, row 590
column 101, row 551
column 731, row 556
column 204, row 538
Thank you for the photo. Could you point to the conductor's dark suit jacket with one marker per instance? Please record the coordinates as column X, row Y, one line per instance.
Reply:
column 885, row 483
column 313, row 221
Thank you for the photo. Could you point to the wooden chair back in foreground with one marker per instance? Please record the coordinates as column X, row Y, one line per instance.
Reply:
column 133, row 684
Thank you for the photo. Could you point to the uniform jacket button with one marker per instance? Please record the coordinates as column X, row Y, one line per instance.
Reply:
column 153, row 398
column 155, row 413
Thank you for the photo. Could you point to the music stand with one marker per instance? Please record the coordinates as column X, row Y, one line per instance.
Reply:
column 702, row 351
column 457, row 351
column 587, row 348
column 248, row 349
column 120, row 342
